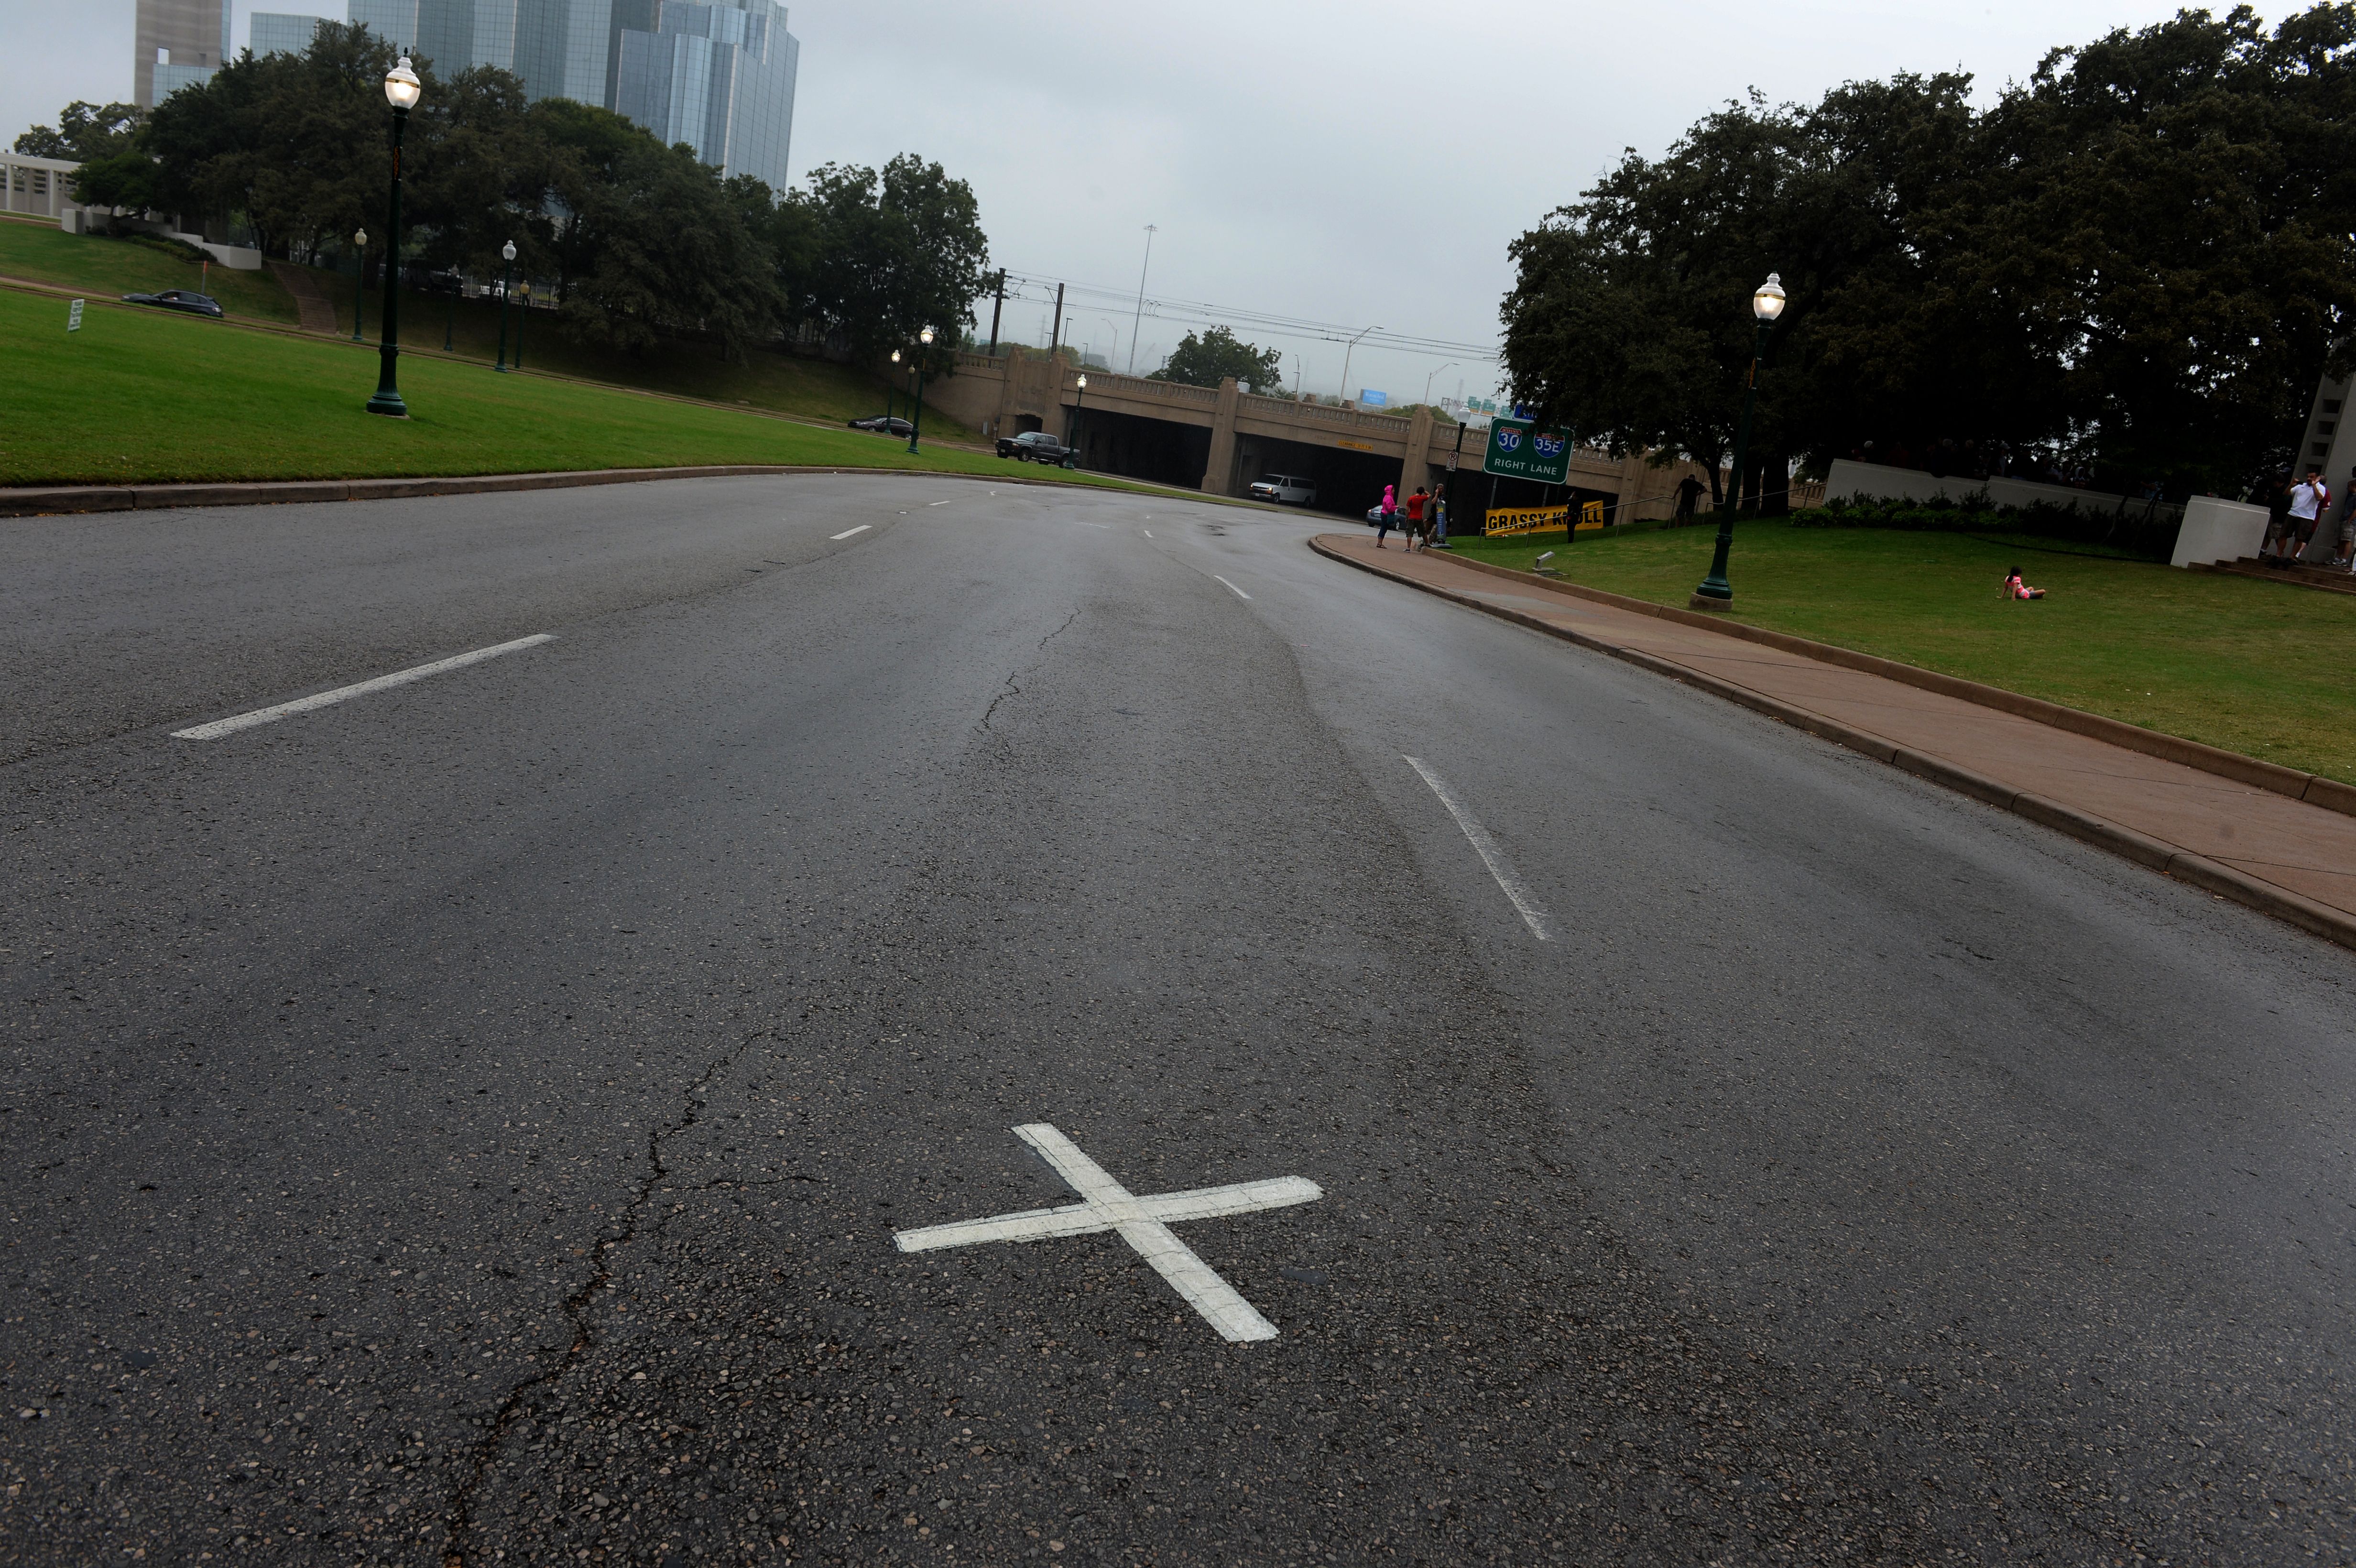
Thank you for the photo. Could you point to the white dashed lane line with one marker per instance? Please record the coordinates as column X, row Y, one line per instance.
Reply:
column 221, row 727
column 939, row 503
column 859, row 529
column 1508, row 880
column 1232, row 587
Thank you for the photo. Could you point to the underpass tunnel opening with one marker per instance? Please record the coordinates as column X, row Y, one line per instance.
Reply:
column 1136, row 447
column 1347, row 482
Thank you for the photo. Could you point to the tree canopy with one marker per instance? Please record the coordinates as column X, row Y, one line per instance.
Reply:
column 1206, row 359
column 84, row 132
column 2138, row 260
column 642, row 240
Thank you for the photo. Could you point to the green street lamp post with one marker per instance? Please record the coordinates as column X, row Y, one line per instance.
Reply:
column 506, row 288
column 1716, row 593
column 524, row 307
column 359, row 289
column 916, row 414
column 891, row 392
column 1079, row 406
column 401, row 90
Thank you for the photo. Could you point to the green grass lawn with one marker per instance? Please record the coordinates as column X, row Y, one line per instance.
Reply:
column 113, row 268
column 149, row 396
column 782, row 383
column 2250, row 666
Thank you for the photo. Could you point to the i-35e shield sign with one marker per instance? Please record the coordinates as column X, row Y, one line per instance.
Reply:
column 1517, row 451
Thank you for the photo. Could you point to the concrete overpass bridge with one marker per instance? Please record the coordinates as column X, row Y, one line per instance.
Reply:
column 1219, row 441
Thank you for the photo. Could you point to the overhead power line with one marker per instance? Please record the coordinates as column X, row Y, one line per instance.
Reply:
column 1041, row 288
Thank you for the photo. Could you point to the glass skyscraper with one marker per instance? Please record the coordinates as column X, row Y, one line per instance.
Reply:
column 274, row 33
column 716, row 74
column 177, row 42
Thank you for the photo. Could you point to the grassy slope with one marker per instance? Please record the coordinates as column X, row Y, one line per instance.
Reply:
column 111, row 268
column 810, row 389
column 2251, row 667
column 143, row 395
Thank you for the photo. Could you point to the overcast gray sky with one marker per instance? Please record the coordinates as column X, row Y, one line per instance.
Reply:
column 1361, row 163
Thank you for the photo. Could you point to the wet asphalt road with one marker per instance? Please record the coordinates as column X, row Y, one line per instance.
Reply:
column 472, row 1119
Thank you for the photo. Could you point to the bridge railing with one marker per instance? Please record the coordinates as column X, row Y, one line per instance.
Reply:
column 1391, row 425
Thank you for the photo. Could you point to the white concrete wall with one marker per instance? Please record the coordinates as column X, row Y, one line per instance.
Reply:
column 2218, row 530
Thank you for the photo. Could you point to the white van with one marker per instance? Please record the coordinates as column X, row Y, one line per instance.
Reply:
column 1284, row 490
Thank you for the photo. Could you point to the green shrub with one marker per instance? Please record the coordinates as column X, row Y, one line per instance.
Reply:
column 170, row 247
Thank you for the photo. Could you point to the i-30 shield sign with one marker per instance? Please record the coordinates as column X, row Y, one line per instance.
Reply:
column 1517, row 451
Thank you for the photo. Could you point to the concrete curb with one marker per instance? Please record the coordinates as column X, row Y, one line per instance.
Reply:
column 2320, row 919
column 55, row 500
column 2329, row 793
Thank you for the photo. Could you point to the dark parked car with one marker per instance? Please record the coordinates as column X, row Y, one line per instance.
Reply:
column 885, row 424
column 180, row 299
column 1036, row 447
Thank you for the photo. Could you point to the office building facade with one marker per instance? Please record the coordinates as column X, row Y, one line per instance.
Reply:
column 177, row 42
column 271, row 33
column 716, row 74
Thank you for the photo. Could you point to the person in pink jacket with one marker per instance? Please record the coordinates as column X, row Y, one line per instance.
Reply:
column 1390, row 514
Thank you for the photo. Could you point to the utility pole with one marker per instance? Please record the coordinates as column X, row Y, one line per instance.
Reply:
column 1345, row 362
column 995, row 310
column 1150, row 232
column 1056, row 341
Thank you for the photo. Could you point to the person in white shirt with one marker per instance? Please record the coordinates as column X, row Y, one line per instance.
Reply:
column 2307, row 501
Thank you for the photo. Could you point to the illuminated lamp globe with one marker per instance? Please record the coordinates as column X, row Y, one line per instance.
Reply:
column 401, row 87
column 1768, row 303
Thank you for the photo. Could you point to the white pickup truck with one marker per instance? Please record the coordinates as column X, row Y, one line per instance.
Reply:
column 1284, row 490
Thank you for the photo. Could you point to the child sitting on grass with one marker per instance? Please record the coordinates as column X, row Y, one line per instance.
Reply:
column 2014, row 588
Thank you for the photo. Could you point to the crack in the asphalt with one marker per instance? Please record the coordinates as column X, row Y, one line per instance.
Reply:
column 1011, row 689
column 458, row 1516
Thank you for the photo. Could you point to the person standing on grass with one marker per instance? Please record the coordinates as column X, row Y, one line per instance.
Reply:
column 1439, row 504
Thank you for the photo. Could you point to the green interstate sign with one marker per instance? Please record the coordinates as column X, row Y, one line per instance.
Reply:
column 1517, row 451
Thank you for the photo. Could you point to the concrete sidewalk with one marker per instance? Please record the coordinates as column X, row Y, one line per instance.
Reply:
column 2290, row 858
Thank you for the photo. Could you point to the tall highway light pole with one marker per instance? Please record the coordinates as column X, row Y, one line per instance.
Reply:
column 1150, row 231
column 1427, row 380
column 401, row 90
column 1345, row 362
column 1716, row 593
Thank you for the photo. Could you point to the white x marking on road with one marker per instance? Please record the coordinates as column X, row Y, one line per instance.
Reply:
column 1143, row 1222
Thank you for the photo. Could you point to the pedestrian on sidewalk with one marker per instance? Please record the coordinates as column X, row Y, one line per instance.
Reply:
column 1417, row 539
column 1387, row 514
column 1439, row 504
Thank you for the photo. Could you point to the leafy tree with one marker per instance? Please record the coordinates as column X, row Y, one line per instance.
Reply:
column 84, row 132
column 672, row 255
column 2140, row 254
column 478, row 172
column 1211, row 358
column 878, row 255
column 2176, row 213
column 297, row 145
